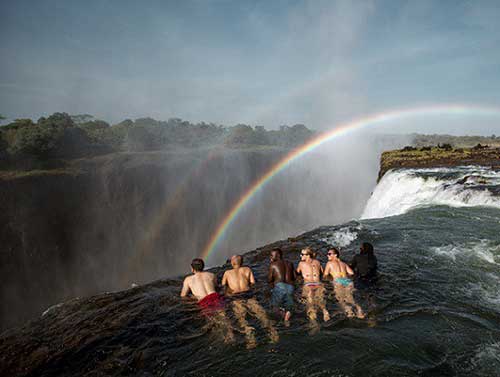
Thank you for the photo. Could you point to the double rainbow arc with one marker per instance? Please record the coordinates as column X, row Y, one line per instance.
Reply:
column 373, row 120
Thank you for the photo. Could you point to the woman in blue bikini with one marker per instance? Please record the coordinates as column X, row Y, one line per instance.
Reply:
column 343, row 285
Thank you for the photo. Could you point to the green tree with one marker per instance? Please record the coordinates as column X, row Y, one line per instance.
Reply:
column 96, row 130
column 43, row 139
column 79, row 119
column 57, row 120
column 18, row 123
column 139, row 139
column 240, row 134
column 36, row 141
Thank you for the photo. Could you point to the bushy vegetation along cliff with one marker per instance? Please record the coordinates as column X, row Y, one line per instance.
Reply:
column 420, row 140
column 439, row 156
column 28, row 144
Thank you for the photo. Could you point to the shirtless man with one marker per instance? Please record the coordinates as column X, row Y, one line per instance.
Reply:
column 238, row 281
column 203, row 285
column 343, row 285
column 313, row 290
column 281, row 277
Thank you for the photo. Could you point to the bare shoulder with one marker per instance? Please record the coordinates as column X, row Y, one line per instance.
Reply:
column 228, row 273
column 187, row 279
column 247, row 270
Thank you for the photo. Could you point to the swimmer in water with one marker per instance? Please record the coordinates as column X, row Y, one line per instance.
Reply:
column 281, row 277
column 340, row 272
column 238, row 281
column 313, row 290
column 364, row 264
column 203, row 286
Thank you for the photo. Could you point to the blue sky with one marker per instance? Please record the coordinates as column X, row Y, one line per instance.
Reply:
column 256, row 62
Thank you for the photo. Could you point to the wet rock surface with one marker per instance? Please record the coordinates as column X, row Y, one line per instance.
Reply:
column 118, row 333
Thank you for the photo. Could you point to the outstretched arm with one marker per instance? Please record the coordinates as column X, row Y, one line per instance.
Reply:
column 251, row 278
column 270, row 275
column 349, row 270
column 327, row 271
column 185, row 288
column 299, row 270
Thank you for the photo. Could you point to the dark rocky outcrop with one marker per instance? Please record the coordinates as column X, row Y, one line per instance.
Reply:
column 118, row 333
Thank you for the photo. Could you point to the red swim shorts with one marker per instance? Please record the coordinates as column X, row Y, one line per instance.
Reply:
column 211, row 303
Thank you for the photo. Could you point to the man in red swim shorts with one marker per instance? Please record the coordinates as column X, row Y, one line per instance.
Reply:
column 203, row 285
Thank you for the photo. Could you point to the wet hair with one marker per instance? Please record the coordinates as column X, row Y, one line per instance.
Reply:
column 335, row 251
column 197, row 264
column 367, row 248
column 309, row 252
column 239, row 259
column 279, row 251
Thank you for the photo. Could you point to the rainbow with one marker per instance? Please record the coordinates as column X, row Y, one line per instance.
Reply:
column 146, row 244
column 341, row 130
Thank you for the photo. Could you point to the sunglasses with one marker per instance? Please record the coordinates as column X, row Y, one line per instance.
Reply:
column 330, row 253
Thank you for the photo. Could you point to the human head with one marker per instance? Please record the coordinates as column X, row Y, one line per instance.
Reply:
column 236, row 261
column 333, row 253
column 366, row 248
column 276, row 254
column 197, row 265
column 306, row 254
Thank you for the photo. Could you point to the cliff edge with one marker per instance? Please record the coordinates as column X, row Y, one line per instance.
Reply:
column 440, row 156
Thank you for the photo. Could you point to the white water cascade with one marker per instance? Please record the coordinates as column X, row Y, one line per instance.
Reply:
column 403, row 190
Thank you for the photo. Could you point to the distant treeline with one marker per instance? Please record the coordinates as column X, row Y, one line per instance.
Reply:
column 454, row 141
column 68, row 136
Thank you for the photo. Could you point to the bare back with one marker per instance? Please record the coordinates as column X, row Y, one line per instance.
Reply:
column 337, row 269
column 311, row 271
column 200, row 284
column 281, row 271
column 238, row 279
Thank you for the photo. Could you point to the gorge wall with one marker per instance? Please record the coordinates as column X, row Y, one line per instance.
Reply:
column 104, row 223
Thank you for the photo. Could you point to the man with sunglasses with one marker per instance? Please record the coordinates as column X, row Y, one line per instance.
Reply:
column 313, row 290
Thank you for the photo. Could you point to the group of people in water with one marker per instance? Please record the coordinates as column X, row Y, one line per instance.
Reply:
column 282, row 276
